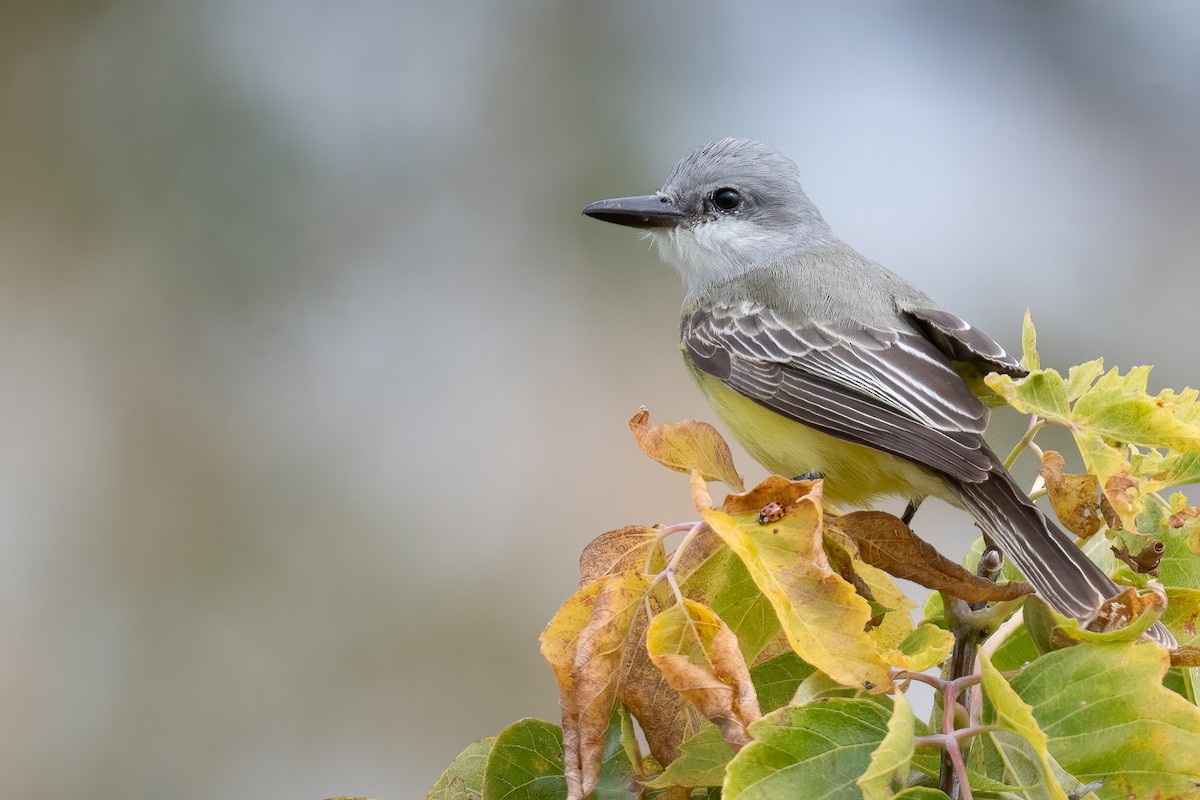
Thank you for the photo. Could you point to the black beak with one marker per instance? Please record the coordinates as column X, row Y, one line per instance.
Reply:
column 648, row 211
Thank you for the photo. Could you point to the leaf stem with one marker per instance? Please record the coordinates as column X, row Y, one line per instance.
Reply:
column 1162, row 501
column 1035, row 425
column 674, row 584
column 663, row 533
column 695, row 528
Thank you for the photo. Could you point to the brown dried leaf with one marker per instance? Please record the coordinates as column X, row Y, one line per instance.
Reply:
column 1076, row 498
column 664, row 716
column 884, row 541
column 1146, row 559
column 1122, row 492
column 1186, row 656
column 699, row 656
column 623, row 550
column 1183, row 516
column 585, row 644
column 774, row 489
column 1111, row 518
column 1117, row 612
column 686, row 446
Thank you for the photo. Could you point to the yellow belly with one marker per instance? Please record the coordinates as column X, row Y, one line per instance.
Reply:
column 854, row 475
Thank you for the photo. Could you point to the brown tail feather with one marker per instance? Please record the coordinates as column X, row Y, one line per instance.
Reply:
column 1058, row 570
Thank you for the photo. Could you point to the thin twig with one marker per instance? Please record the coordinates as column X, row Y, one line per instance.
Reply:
column 968, row 623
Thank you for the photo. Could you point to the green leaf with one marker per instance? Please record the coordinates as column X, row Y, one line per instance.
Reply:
column 1107, row 717
column 927, row 760
column 890, row 761
column 1016, row 651
column 1182, row 616
column 620, row 771
column 778, row 679
column 1013, row 714
column 463, row 779
column 1178, row 469
column 1179, row 567
column 1042, row 393
column 1179, row 680
column 934, row 609
column 1016, row 763
column 819, row 686
column 818, row 750
column 701, row 762
column 526, row 763
column 1131, row 416
column 922, row 793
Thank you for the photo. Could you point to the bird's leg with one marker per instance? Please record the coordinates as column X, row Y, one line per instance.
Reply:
column 810, row 476
column 910, row 510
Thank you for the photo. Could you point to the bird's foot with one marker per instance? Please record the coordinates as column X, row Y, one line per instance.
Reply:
column 810, row 476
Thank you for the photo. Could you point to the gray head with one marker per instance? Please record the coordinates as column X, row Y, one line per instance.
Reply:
column 730, row 207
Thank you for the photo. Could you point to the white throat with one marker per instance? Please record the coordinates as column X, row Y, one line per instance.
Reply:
column 716, row 251
column 713, row 252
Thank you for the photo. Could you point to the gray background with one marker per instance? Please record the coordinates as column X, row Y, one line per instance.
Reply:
column 313, row 381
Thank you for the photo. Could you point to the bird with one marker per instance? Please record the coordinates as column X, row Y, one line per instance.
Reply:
column 821, row 362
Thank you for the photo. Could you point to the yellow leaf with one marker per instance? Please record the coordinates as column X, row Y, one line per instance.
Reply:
column 1081, row 378
column 897, row 623
column 686, row 446
column 1075, row 498
column 700, row 659
column 1029, row 354
column 585, row 644
column 925, row 647
column 822, row 615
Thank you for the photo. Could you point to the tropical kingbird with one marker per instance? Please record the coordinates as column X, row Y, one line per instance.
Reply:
column 821, row 361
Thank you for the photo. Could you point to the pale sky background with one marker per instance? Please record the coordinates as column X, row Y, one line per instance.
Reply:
column 315, row 382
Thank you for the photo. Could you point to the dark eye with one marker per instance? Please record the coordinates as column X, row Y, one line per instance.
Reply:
column 727, row 199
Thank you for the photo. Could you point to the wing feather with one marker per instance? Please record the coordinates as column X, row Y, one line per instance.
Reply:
column 892, row 390
column 962, row 341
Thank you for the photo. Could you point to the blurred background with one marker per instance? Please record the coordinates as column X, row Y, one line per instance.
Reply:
column 314, row 382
